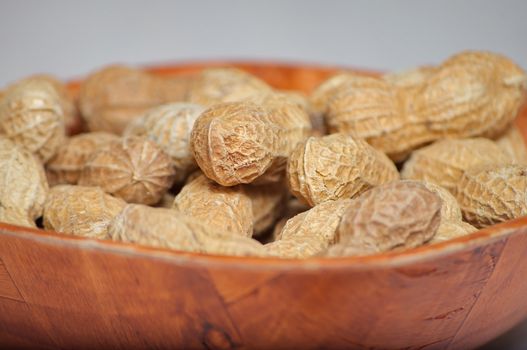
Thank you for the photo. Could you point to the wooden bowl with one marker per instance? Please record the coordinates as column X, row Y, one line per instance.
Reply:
column 59, row 291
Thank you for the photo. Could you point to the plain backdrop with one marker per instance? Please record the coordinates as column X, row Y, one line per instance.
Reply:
column 72, row 38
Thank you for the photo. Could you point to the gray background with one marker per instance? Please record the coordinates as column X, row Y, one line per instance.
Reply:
column 71, row 38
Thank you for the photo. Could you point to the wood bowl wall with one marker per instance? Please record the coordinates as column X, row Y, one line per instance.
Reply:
column 59, row 291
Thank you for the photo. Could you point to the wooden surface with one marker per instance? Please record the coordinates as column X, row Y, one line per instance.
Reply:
column 59, row 291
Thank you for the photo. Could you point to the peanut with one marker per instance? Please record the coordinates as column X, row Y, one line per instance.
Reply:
column 81, row 211
column 114, row 96
column 513, row 144
column 452, row 229
column 136, row 170
column 401, row 214
column 227, row 209
column 492, row 195
column 470, row 94
column 235, row 143
column 218, row 85
column 23, row 185
column 67, row 164
column 31, row 115
column 336, row 166
column 169, row 228
column 170, row 126
column 267, row 205
column 445, row 161
column 309, row 233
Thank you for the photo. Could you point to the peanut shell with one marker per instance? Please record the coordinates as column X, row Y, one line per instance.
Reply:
column 23, row 185
column 81, row 211
column 268, row 203
column 227, row 209
column 397, row 215
column 218, row 85
column 67, row 164
column 169, row 228
column 452, row 229
column 136, row 170
column 492, row 195
column 31, row 115
column 170, row 126
column 336, row 166
column 513, row 144
column 445, row 161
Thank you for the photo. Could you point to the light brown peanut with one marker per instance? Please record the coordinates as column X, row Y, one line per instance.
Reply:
column 81, row 211
column 452, row 229
column 470, row 94
column 513, row 144
column 445, row 161
column 227, row 209
column 136, row 170
column 169, row 228
column 336, row 166
column 268, row 203
column 309, row 233
column 67, row 164
column 218, row 85
column 114, row 96
column 23, row 185
column 492, row 195
column 170, row 126
column 401, row 214
column 31, row 115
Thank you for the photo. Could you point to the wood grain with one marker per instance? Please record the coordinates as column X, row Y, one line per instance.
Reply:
column 59, row 291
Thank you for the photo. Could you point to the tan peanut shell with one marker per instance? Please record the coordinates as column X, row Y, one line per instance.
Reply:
column 470, row 94
column 293, row 207
column 218, row 85
column 235, row 143
column 268, row 202
column 169, row 228
column 67, row 102
column 513, row 144
column 227, row 209
column 23, row 185
column 167, row 201
column 309, row 233
column 410, row 79
column 67, row 164
column 31, row 115
column 112, row 97
column 81, row 211
column 445, row 161
column 452, row 229
column 322, row 95
column 136, row 170
column 492, row 195
column 336, row 166
column 170, row 126
column 401, row 214
column 450, row 210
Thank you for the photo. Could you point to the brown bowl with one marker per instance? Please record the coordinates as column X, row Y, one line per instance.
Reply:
column 59, row 291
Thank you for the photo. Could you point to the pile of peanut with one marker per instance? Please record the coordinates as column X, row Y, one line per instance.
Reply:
column 219, row 162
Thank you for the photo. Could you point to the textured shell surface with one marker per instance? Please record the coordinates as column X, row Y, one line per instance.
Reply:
column 81, row 211
column 114, row 96
column 397, row 215
column 228, row 209
column 513, row 144
column 218, row 85
column 234, row 143
column 67, row 164
column 445, row 161
column 170, row 126
column 169, row 228
column 322, row 94
column 23, row 187
column 309, row 233
column 31, row 115
column 136, row 170
column 450, row 229
column 472, row 94
column 492, row 195
column 268, row 203
column 336, row 166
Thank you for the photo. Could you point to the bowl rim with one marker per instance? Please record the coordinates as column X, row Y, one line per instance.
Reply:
column 480, row 238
